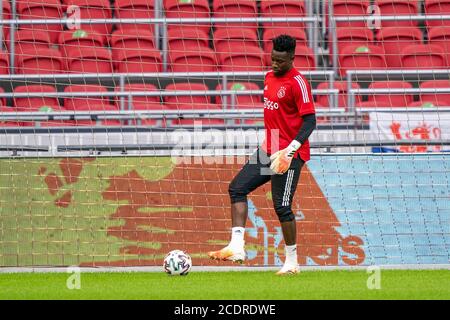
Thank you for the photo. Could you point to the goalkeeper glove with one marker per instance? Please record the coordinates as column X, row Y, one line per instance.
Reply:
column 281, row 160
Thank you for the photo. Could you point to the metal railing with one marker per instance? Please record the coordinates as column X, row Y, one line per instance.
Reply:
column 150, row 114
column 160, row 94
column 170, row 149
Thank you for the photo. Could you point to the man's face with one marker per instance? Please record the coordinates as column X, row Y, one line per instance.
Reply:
column 281, row 62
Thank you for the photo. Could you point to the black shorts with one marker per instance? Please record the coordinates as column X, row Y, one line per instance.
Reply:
column 256, row 172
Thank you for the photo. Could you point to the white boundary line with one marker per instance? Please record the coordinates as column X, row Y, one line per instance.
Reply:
column 4, row 270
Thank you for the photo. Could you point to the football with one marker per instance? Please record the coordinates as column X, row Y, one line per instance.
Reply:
column 177, row 262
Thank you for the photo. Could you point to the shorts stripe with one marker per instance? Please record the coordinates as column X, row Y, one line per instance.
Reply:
column 287, row 190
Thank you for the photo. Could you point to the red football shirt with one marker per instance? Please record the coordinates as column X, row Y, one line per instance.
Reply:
column 286, row 99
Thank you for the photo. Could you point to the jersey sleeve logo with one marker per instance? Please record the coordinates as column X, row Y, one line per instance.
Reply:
column 281, row 92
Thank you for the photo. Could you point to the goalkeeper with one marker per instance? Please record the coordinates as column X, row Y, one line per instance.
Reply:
column 289, row 119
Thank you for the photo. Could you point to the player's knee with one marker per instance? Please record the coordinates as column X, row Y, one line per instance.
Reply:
column 237, row 193
column 284, row 213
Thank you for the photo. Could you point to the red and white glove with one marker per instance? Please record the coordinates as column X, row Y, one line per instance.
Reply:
column 281, row 160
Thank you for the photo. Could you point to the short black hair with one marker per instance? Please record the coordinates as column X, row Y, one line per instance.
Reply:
column 284, row 42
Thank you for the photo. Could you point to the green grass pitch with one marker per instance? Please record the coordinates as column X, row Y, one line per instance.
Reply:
column 233, row 285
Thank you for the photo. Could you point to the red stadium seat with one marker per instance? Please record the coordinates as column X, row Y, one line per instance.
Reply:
column 440, row 36
column 89, row 60
column 74, row 103
column 235, row 9
column 41, row 9
column 304, row 58
column 141, row 102
column 200, row 102
column 394, row 99
column 75, row 39
column 29, row 39
column 41, row 103
column 345, row 8
column 283, row 9
column 40, row 61
column 240, row 101
column 444, row 97
column 393, row 40
column 193, row 61
column 398, row 8
column 272, row 32
column 89, row 103
column 183, row 39
column 437, row 7
column 131, row 40
column 94, row 9
column 6, row 16
column 135, row 9
column 361, row 58
column 351, row 37
column 138, row 61
column 4, row 62
column 36, row 102
column 423, row 56
column 226, row 41
column 324, row 101
column 190, row 102
column 250, row 59
column 188, row 9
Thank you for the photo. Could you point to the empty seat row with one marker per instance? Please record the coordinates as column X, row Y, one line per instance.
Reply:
column 81, row 51
column 372, row 57
column 134, row 51
column 135, row 9
column 343, row 8
column 393, row 40
column 101, row 102
column 388, row 99
column 99, row 60
column 44, row 98
column 145, row 9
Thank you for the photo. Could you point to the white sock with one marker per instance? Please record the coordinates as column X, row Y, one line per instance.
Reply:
column 291, row 254
column 237, row 237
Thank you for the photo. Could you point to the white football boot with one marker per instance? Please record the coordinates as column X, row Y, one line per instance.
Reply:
column 289, row 269
column 229, row 254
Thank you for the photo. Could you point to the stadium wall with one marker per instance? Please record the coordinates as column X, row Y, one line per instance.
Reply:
column 130, row 211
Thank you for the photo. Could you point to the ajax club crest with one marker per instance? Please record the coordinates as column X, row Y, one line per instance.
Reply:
column 281, row 92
